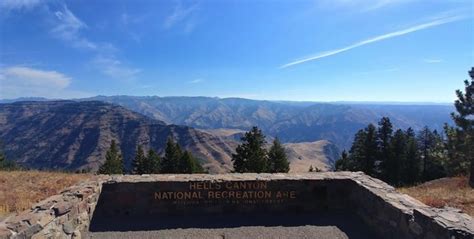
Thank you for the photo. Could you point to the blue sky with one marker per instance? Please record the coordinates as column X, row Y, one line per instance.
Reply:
column 325, row 50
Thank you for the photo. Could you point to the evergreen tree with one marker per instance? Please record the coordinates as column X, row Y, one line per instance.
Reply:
column 170, row 162
column 437, row 166
column 397, row 157
column 363, row 152
column 426, row 143
column 464, row 120
column 412, row 168
column 189, row 164
column 456, row 163
column 3, row 158
column 311, row 169
column 138, row 163
column 251, row 155
column 371, row 150
column 384, row 137
column 277, row 159
column 343, row 163
column 113, row 161
column 152, row 162
column 357, row 153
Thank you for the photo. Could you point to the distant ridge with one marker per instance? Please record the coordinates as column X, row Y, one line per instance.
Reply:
column 291, row 121
column 75, row 135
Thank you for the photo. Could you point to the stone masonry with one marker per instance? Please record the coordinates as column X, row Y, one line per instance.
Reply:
column 389, row 213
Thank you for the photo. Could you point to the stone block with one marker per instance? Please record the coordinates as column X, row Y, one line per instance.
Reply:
column 62, row 208
column 68, row 228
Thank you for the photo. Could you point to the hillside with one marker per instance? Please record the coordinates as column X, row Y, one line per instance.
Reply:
column 75, row 135
column 452, row 192
column 320, row 154
column 19, row 190
column 290, row 121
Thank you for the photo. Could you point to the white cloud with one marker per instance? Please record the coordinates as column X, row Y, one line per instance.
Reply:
column 20, row 81
column 376, row 39
column 181, row 14
column 433, row 60
column 195, row 81
column 9, row 5
column 362, row 5
column 30, row 76
column 68, row 28
column 112, row 67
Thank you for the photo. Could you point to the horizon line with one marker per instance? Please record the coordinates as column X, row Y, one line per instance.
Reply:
column 237, row 97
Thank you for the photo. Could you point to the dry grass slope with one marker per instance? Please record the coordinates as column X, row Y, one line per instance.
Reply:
column 19, row 190
column 452, row 192
column 306, row 154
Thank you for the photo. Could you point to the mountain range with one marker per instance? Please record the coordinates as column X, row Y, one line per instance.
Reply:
column 291, row 122
column 75, row 134
column 72, row 135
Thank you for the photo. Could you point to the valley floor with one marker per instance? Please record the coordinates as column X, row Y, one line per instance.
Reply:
column 452, row 192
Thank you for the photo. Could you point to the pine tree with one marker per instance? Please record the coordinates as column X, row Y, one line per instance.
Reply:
column 464, row 120
column 456, row 163
column 357, row 153
column 412, row 168
column 170, row 162
column 426, row 142
column 113, row 161
column 152, row 162
column 363, row 153
column 5, row 163
column 189, row 164
column 384, row 137
column 138, row 163
column 311, row 169
column 397, row 157
column 343, row 163
column 2, row 159
column 277, row 159
column 251, row 155
column 371, row 150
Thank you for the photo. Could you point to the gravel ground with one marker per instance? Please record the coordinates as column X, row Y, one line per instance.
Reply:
column 316, row 225
column 232, row 233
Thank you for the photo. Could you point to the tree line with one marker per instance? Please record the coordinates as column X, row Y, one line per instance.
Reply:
column 175, row 160
column 403, row 157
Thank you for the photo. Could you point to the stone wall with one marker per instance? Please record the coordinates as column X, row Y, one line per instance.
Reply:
column 396, row 215
column 389, row 213
column 61, row 216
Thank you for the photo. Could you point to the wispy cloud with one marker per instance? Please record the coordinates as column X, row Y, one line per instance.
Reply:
column 195, row 81
column 409, row 30
column 30, row 76
column 181, row 14
column 433, row 60
column 130, row 23
column 67, row 29
column 21, row 81
column 378, row 71
column 362, row 5
column 9, row 5
column 70, row 29
column 114, row 68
